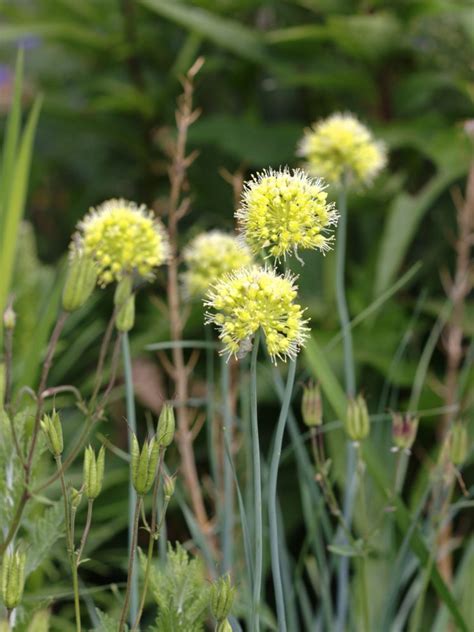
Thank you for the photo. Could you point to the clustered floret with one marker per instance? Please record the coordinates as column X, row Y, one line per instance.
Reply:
column 256, row 298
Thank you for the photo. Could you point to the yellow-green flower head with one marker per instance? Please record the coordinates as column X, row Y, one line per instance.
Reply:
column 285, row 210
column 256, row 298
column 208, row 257
column 341, row 144
column 123, row 238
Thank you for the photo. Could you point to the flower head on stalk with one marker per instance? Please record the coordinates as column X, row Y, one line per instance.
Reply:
column 123, row 238
column 340, row 144
column 208, row 257
column 283, row 211
column 256, row 298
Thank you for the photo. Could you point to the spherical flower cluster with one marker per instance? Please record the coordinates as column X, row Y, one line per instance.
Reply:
column 255, row 298
column 208, row 257
column 123, row 238
column 341, row 144
column 285, row 210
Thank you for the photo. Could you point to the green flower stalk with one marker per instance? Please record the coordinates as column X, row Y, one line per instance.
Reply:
column 284, row 211
column 340, row 145
column 93, row 472
column 81, row 279
column 53, row 432
column 221, row 598
column 13, row 578
column 210, row 256
column 357, row 422
column 144, row 464
column 166, row 426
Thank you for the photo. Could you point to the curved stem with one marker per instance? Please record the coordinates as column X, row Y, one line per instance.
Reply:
column 132, row 495
column 272, row 498
column 257, row 483
column 131, row 564
column 86, row 531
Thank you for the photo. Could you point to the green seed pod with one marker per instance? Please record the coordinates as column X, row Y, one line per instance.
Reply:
column 126, row 315
column 458, row 443
column 357, row 423
column 222, row 598
column 93, row 472
column 169, row 484
column 13, row 578
column 144, row 464
column 311, row 406
column 123, row 291
column 39, row 622
column 224, row 626
column 166, row 426
column 80, row 282
column 76, row 497
column 404, row 429
column 53, row 433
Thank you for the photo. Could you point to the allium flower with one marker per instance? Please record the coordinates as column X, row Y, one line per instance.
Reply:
column 208, row 257
column 341, row 144
column 123, row 238
column 285, row 210
column 255, row 298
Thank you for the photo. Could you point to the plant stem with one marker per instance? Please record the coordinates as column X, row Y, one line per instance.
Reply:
column 257, row 482
column 272, row 497
column 70, row 546
column 132, row 495
column 131, row 564
column 86, row 531
column 349, row 375
column 228, row 518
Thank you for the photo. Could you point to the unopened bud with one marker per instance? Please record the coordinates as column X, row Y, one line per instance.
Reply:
column 13, row 578
column 169, row 484
column 80, row 280
column 311, row 405
column 166, row 426
column 93, row 472
column 357, row 423
column 144, row 464
column 224, row 626
column 458, row 443
column 222, row 598
column 76, row 497
column 126, row 315
column 9, row 318
column 39, row 622
column 53, row 433
column 123, row 291
column 404, row 429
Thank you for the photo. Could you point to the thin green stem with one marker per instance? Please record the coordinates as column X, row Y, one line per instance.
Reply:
column 272, row 498
column 132, row 496
column 131, row 564
column 85, row 533
column 228, row 517
column 257, row 482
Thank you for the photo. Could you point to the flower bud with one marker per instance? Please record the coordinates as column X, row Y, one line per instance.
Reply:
column 224, row 626
column 93, row 472
column 166, row 426
column 9, row 317
column 126, row 315
column 76, row 497
column 357, row 423
column 80, row 280
column 311, row 405
column 13, row 578
column 404, row 429
column 144, row 464
column 169, row 484
column 53, row 433
column 123, row 291
column 458, row 443
column 222, row 597
column 39, row 622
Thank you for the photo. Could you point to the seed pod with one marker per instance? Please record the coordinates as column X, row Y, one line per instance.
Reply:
column 80, row 280
column 76, row 497
column 13, row 578
column 123, row 291
column 166, row 426
column 93, row 472
column 169, row 484
column 53, row 433
column 144, row 464
column 357, row 423
column 126, row 315
column 222, row 598
column 311, row 406
column 404, row 429
column 39, row 622
column 458, row 443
